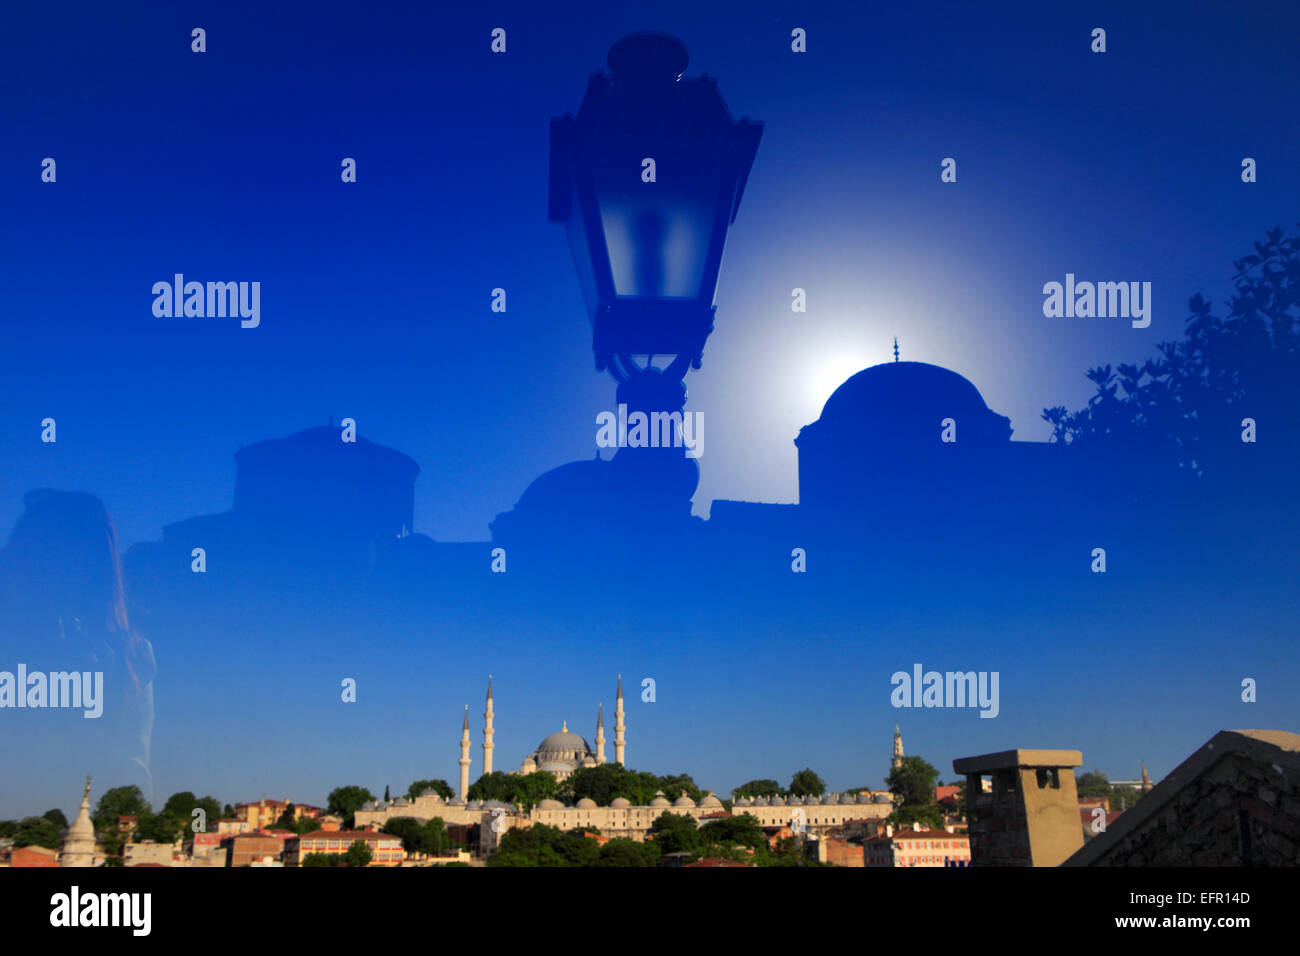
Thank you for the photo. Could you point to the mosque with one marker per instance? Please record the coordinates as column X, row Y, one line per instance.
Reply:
column 564, row 752
column 559, row 754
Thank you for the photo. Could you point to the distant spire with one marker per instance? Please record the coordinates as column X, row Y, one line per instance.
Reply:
column 465, row 726
column 620, row 686
column 79, row 841
column 489, row 696
column 600, row 715
column 895, row 348
column 564, row 727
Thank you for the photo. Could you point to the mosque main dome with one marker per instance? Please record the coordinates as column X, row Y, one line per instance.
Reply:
column 560, row 753
column 562, row 745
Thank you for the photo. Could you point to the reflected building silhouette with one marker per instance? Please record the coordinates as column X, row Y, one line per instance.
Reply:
column 63, row 608
column 310, row 496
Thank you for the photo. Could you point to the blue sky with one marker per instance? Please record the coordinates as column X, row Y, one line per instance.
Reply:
column 376, row 301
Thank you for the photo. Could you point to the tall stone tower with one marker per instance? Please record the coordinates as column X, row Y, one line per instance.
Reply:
column 464, row 757
column 897, row 760
column 620, row 742
column 1031, row 818
column 600, row 734
column 488, row 732
column 79, row 843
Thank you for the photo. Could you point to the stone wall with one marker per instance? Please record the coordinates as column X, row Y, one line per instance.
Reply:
column 1235, row 802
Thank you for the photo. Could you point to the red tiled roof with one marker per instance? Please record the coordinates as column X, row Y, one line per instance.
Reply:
column 1085, row 815
column 33, row 856
column 349, row 835
column 926, row 834
column 716, row 861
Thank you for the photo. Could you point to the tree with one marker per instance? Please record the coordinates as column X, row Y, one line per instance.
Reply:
column 38, row 831
column 744, row 830
column 387, row 797
column 428, row 837
column 346, row 801
column 491, row 786
column 676, row 785
column 601, row 783
column 807, row 784
column 358, row 854
column 577, row 849
column 159, row 827
column 8, row 828
column 56, row 817
column 174, row 819
column 322, row 859
column 528, row 846
column 182, row 806
column 531, row 789
column 119, row 802
column 1093, row 784
column 286, row 820
column 675, row 833
column 1123, row 798
column 624, row 852
column 913, row 780
column 1187, row 406
column 441, row 787
column 759, row 788
column 437, row 841
column 523, row 790
column 605, row 782
column 928, row 815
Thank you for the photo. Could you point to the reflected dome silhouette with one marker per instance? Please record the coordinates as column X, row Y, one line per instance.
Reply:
column 899, row 399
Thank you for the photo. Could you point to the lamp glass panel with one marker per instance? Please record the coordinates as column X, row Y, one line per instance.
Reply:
column 657, row 234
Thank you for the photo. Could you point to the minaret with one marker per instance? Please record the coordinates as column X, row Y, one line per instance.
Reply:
column 488, row 731
column 620, row 742
column 79, row 843
column 600, row 734
column 464, row 757
column 897, row 760
column 1146, row 781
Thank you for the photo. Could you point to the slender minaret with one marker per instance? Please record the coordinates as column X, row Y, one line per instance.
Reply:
column 79, row 843
column 488, row 731
column 620, row 742
column 1146, row 781
column 897, row 761
column 464, row 757
column 600, row 734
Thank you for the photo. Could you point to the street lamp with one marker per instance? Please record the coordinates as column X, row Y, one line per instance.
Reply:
column 646, row 179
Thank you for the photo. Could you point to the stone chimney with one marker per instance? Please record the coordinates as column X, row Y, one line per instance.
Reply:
column 1032, row 816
